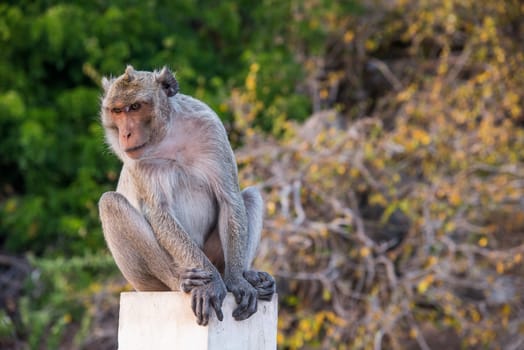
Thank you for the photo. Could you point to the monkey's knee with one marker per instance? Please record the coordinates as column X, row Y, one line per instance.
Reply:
column 255, row 216
column 253, row 200
column 254, row 209
column 111, row 202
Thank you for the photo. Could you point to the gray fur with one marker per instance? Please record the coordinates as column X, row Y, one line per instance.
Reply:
column 178, row 220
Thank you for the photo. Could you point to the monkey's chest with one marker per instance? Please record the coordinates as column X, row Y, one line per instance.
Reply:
column 191, row 203
column 196, row 211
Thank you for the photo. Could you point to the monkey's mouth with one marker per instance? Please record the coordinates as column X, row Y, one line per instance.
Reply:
column 134, row 152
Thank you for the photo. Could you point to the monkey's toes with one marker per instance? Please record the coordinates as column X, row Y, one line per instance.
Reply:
column 263, row 282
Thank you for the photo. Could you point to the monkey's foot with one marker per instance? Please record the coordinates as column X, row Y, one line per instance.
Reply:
column 192, row 278
column 263, row 282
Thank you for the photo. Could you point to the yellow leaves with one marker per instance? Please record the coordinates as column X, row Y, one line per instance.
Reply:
column 250, row 132
column 326, row 294
column 483, row 242
column 314, row 24
column 454, row 197
column 280, row 337
column 254, row 67
column 506, row 310
column 378, row 198
column 354, row 173
column 451, row 192
column 449, row 226
column 67, row 318
column 95, row 287
column 371, row 44
column 511, row 102
column 500, row 54
column 271, row 207
column 311, row 327
column 11, row 205
column 475, row 315
column 421, row 136
column 349, row 36
column 251, row 79
column 500, row 267
column 251, row 82
column 483, row 77
column 432, row 260
column 412, row 138
column 407, row 93
column 451, row 23
column 443, row 67
column 413, row 333
column 425, row 283
column 488, row 29
column 365, row 251
column 223, row 107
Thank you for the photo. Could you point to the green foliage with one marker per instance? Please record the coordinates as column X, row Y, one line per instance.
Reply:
column 54, row 164
column 7, row 328
column 63, row 293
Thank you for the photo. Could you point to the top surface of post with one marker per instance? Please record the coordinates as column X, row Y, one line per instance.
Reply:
column 164, row 320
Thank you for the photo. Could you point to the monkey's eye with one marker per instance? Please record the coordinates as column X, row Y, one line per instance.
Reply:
column 116, row 110
column 135, row 106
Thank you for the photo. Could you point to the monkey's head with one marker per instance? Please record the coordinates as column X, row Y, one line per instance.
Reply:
column 136, row 110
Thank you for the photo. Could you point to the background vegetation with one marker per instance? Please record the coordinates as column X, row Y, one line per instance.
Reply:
column 387, row 137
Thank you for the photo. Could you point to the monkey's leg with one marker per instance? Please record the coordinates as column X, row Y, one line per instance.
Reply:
column 262, row 281
column 145, row 265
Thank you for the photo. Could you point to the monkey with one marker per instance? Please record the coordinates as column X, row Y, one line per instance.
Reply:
column 178, row 220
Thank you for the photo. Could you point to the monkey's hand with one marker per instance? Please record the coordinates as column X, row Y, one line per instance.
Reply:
column 206, row 297
column 191, row 278
column 245, row 296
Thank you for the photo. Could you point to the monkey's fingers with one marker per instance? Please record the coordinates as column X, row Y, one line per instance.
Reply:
column 263, row 283
column 265, row 294
column 196, row 305
column 200, row 306
column 188, row 285
column 239, row 296
column 264, row 276
column 194, row 301
column 216, row 303
column 205, row 307
column 197, row 274
column 258, row 278
column 246, row 307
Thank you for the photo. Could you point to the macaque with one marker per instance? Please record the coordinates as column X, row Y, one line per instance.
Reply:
column 178, row 220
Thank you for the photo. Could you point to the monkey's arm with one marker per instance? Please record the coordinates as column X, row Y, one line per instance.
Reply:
column 234, row 237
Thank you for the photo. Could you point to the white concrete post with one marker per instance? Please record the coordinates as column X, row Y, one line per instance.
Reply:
column 164, row 320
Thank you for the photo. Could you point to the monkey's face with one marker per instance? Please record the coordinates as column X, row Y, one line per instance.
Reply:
column 135, row 108
column 133, row 124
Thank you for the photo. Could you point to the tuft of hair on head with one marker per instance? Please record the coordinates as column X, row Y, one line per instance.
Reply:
column 167, row 81
column 107, row 82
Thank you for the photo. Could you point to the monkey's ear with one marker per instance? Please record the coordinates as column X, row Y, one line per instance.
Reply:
column 167, row 81
column 129, row 74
